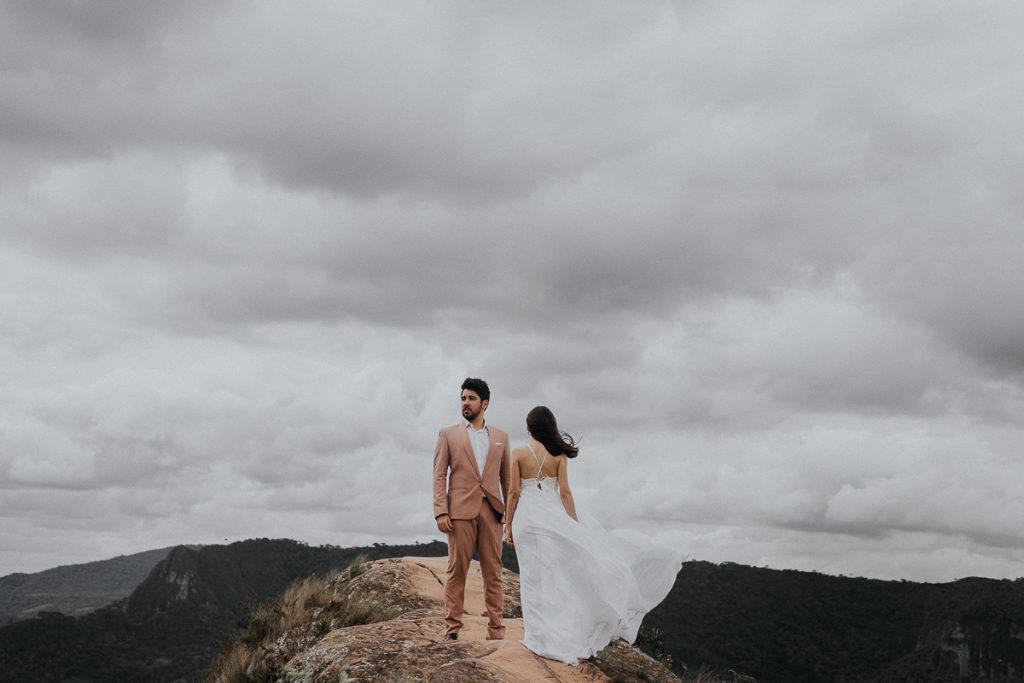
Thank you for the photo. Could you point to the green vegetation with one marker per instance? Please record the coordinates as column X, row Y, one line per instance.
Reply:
column 805, row 627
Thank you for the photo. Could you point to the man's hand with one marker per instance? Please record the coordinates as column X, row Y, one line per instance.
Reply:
column 444, row 524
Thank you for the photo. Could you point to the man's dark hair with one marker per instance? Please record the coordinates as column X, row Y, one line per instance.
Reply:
column 479, row 386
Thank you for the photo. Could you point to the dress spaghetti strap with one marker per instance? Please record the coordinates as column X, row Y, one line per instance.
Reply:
column 540, row 465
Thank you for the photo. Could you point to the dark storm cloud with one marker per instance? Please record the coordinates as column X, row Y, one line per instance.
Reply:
column 352, row 101
column 97, row 23
column 962, row 289
column 317, row 104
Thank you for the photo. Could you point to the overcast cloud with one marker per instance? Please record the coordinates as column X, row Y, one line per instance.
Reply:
column 765, row 258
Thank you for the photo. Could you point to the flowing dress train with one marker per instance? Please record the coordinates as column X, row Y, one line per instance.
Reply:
column 580, row 585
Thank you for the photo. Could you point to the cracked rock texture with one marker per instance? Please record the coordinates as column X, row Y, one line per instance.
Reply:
column 408, row 647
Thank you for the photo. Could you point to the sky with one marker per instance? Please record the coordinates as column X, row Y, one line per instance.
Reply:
column 763, row 258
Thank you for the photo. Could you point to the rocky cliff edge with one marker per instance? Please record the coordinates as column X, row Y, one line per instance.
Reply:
column 405, row 645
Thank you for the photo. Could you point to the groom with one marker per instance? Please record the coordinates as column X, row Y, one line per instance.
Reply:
column 470, row 509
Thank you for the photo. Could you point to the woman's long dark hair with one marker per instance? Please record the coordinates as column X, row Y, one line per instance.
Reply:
column 540, row 422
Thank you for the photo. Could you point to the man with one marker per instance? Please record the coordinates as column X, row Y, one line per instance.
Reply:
column 470, row 506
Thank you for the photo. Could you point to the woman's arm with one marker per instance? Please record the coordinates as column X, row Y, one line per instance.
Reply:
column 563, row 488
column 512, row 502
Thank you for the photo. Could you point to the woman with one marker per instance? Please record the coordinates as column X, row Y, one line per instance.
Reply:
column 580, row 585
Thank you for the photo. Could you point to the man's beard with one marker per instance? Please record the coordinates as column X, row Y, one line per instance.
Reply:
column 469, row 414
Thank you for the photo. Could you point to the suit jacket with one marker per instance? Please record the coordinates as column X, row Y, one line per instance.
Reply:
column 461, row 496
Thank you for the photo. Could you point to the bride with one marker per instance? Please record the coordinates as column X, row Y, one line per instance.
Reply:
column 580, row 585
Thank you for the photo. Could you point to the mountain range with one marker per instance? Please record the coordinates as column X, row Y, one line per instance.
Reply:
column 778, row 626
column 177, row 619
column 75, row 589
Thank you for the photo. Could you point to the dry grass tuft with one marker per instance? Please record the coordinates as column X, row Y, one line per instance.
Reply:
column 283, row 626
column 233, row 666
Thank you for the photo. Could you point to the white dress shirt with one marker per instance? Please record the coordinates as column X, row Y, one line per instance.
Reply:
column 480, row 442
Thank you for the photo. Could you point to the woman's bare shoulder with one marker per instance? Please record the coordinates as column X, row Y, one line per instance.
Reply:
column 520, row 453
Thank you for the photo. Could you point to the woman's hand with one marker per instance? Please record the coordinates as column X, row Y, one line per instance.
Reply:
column 508, row 537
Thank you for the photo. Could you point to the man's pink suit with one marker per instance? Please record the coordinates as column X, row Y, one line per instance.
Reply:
column 475, row 502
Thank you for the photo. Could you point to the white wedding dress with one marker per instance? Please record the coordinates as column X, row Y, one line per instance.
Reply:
column 581, row 586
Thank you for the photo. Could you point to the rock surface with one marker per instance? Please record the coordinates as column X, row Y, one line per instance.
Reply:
column 408, row 647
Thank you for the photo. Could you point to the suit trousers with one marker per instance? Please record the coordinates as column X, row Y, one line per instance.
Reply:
column 482, row 534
